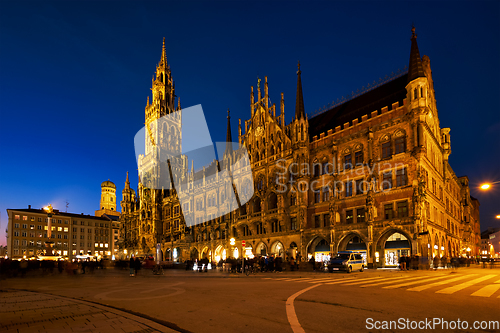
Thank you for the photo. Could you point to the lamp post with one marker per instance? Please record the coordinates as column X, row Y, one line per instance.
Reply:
column 48, row 242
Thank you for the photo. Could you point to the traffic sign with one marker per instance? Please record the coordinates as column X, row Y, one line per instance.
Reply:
column 243, row 243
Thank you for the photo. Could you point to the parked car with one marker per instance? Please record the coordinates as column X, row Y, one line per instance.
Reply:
column 347, row 261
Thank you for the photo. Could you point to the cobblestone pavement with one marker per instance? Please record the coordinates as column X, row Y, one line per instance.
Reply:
column 25, row 311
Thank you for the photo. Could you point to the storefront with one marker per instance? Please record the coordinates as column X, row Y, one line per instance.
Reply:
column 397, row 245
column 322, row 251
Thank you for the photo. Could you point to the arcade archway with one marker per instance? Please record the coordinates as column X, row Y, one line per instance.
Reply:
column 391, row 246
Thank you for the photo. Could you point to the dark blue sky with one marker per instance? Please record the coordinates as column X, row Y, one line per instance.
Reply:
column 74, row 77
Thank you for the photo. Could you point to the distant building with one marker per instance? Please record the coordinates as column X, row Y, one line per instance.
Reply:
column 72, row 234
column 370, row 174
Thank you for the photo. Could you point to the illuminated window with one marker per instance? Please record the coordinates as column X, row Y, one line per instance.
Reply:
column 17, row 217
column 360, row 215
column 25, row 218
column 349, row 216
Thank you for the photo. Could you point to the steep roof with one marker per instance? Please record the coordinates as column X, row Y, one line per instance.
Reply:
column 375, row 99
column 415, row 68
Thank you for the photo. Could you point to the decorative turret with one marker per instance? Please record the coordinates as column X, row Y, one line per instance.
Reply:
column 418, row 86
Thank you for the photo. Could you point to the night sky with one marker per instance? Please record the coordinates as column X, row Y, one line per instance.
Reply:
column 74, row 78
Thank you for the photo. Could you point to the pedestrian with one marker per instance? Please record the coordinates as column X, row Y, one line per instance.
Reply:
column 312, row 261
column 137, row 265
column 402, row 263
column 132, row 266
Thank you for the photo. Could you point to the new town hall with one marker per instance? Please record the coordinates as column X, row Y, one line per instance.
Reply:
column 370, row 173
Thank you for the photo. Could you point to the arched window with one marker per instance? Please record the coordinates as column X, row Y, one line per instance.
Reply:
column 273, row 201
column 415, row 93
column 301, row 132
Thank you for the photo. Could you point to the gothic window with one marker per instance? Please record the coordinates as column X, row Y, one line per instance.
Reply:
column 349, row 217
column 246, row 231
column 325, row 168
column 317, row 196
column 293, row 223
column 359, row 186
column 293, row 200
column 358, row 158
column 271, row 151
column 387, row 180
column 256, row 205
column 347, row 161
column 316, row 221
column 276, row 226
column 388, row 211
column 273, row 201
column 360, row 215
column 348, row 188
column 400, row 145
column 260, row 228
column 316, row 169
column 403, row 209
column 326, row 193
column 326, row 220
column 415, row 93
column 302, row 132
column 386, row 149
column 401, row 179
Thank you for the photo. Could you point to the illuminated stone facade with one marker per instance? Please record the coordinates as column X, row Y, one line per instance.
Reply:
column 371, row 174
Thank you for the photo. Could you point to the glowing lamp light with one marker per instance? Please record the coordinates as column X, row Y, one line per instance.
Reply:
column 468, row 249
column 498, row 216
column 232, row 241
column 435, row 247
column 442, row 248
column 485, row 186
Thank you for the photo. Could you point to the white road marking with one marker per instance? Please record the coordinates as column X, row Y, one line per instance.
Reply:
column 487, row 291
column 427, row 286
column 290, row 310
column 414, row 282
column 352, row 279
column 377, row 283
column 453, row 289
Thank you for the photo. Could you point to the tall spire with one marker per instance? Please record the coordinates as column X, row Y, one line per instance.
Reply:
column 229, row 139
column 299, row 104
column 415, row 68
column 163, row 54
column 127, row 182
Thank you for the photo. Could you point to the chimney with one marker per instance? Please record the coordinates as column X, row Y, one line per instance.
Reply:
column 29, row 206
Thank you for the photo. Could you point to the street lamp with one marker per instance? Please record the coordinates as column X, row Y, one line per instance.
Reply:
column 498, row 216
column 486, row 186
